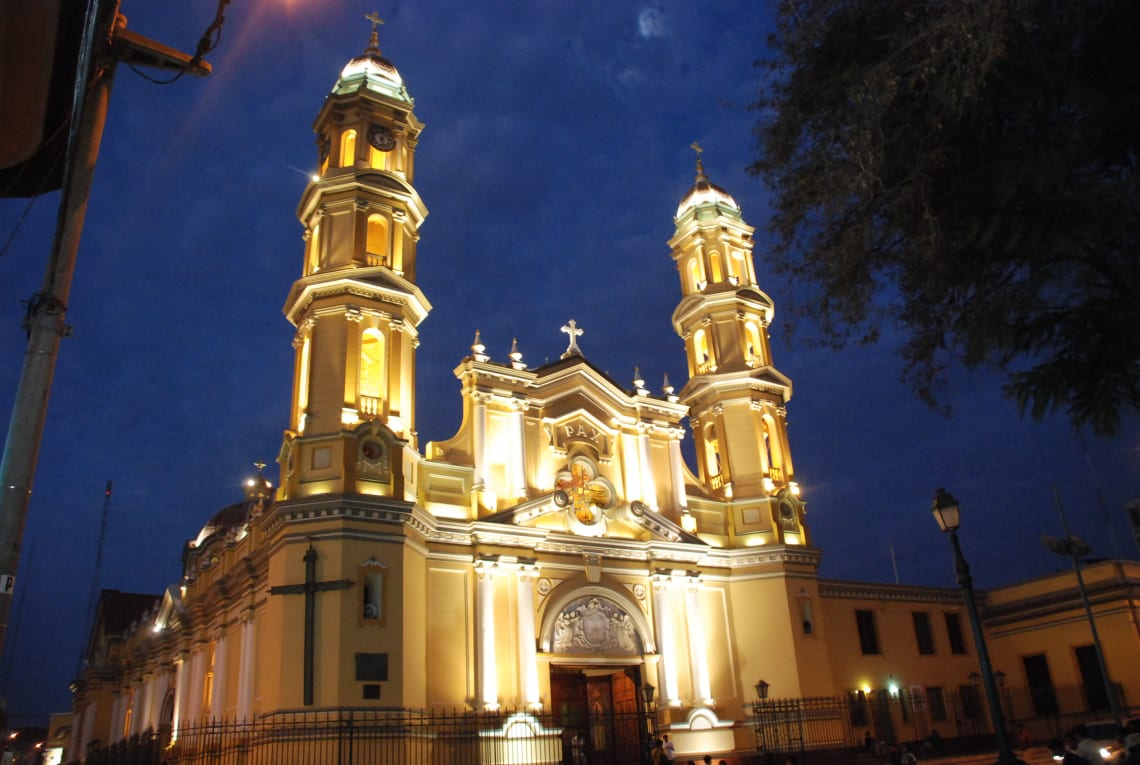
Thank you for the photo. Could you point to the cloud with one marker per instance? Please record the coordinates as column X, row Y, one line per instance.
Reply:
column 651, row 23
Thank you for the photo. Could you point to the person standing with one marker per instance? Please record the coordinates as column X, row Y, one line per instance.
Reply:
column 668, row 748
column 1086, row 747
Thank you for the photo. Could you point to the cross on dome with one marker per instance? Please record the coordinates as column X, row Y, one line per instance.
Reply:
column 374, row 39
column 574, row 331
column 700, row 165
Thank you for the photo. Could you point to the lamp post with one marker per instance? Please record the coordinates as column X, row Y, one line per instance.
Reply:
column 757, row 713
column 945, row 511
column 647, row 692
column 1076, row 548
column 999, row 677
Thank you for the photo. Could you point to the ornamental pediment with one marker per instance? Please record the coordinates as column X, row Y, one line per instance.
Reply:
column 580, row 429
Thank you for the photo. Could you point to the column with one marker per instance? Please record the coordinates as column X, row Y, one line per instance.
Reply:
column 666, row 641
column 528, row 655
column 631, row 459
column 485, row 602
column 218, row 692
column 181, row 692
column 648, row 488
column 245, row 668
column 118, row 709
column 480, row 438
column 138, row 708
column 193, row 710
column 785, row 446
column 518, row 464
column 676, row 471
column 88, row 729
column 698, row 650
column 158, row 696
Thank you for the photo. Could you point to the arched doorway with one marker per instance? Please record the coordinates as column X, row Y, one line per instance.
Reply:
column 598, row 709
column 597, row 643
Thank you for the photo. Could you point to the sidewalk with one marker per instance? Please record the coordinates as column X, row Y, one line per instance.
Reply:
column 1034, row 755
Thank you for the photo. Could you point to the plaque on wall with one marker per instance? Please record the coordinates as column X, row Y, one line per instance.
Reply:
column 371, row 667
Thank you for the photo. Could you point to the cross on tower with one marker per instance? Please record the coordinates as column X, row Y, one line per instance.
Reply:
column 310, row 587
column 374, row 17
column 700, row 166
column 575, row 332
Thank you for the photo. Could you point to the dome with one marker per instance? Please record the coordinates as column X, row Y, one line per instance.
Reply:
column 373, row 72
column 705, row 192
column 227, row 518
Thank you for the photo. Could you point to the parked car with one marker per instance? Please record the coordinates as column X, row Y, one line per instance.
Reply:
column 1103, row 734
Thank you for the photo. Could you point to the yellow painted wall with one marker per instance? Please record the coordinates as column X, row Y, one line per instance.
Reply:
column 449, row 622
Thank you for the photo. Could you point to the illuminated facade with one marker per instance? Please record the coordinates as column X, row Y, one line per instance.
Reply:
column 555, row 553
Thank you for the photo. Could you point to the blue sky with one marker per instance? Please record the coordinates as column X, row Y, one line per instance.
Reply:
column 555, row 153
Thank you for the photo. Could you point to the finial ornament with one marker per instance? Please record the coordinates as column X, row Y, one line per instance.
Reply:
column 574, row 331
column 639, row 382
column 478, row 350
column 260, row 467
column 374, row 39
column 700, row 165
column 515, row 355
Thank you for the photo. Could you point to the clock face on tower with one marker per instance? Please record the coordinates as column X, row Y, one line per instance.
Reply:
column 381, row 138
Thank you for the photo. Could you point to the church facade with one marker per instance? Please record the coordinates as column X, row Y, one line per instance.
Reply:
column 556, row 554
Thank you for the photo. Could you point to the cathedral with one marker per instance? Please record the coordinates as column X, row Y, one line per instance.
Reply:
column 556, row 553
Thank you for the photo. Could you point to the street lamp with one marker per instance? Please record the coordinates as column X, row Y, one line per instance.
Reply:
column 1076, row 548
column 757, row 713
column 946, row 512
column 647, row 692
column 1003, row 691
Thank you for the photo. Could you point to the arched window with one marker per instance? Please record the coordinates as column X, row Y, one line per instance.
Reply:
column 348, row 148
column 712, row 451
column 371, row 371
column 772, row 449
column 753, row 354
column 378, row 160
column 313, row 262
column 696, row 277
column 377, row 240
column 208, row 681
column 715, row 266
column 303, row 384
column 702, row 352
column 736, row 270
column 129, row 713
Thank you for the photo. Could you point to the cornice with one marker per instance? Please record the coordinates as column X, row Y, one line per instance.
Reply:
column 831, row 588
column 353, row 282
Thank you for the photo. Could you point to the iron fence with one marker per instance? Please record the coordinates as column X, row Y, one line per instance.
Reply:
column 391, row 737
column 870, row 724
column 860, row 726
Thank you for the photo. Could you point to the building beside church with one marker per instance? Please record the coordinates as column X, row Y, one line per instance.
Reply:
column 555, row 555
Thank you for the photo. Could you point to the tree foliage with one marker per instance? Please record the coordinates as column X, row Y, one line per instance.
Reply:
column 967, row 170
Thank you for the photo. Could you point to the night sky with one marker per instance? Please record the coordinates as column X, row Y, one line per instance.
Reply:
column 555, row 153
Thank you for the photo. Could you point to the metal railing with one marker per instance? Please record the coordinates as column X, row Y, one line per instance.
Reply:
column 855, row 727
column 834, row 729
column 391, row 737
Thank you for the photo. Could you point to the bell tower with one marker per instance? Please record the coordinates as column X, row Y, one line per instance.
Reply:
column 736, row 397
column 356, row 306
